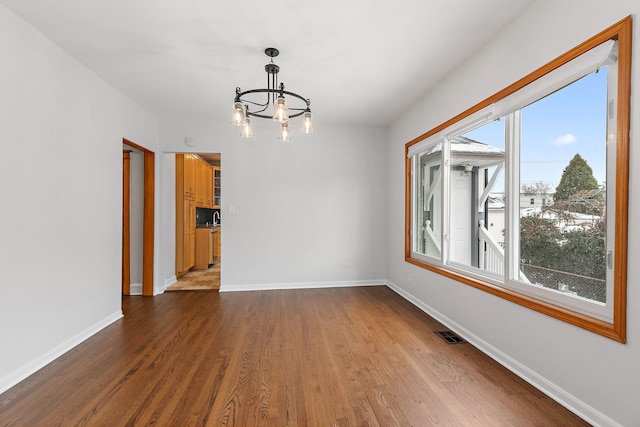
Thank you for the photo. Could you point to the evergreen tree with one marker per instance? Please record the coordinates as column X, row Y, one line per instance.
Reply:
column 577, row 177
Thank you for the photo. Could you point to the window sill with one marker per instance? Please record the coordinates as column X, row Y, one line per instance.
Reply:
column 608, row 330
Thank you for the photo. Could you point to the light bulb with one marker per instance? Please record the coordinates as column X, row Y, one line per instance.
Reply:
column 238, row 114
column 247, row 132
column 307, row 124
column 284, row 133
column 281, row 112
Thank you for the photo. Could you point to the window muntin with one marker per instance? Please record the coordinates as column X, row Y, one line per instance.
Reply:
column 606, row 318
column 428, row 207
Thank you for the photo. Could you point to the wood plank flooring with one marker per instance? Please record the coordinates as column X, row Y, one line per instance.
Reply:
column 321, row 357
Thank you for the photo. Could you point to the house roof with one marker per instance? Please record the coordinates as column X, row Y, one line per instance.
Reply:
column 461, row 146
column 468, row 151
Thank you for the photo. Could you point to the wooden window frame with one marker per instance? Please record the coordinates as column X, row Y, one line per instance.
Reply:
column 616, row 330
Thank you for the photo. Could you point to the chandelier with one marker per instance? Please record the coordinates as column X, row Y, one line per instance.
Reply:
column 275, row 99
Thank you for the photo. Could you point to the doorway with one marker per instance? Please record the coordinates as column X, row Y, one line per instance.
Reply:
column 198, row 224
column 147, row 221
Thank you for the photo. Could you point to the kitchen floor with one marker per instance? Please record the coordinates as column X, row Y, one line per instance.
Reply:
column 198, row 280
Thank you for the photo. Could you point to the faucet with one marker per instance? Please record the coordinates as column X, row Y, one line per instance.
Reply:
column 216, row 214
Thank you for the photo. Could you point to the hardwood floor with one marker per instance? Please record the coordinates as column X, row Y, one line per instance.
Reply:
column 320, row 357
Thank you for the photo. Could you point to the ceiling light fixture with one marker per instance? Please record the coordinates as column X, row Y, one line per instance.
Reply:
column 276, row 99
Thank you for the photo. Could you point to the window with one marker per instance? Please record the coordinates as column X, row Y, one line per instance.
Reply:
column 525, row 194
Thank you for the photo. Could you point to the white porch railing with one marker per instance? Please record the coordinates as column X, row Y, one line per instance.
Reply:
column 491, row 256
column 431, row 241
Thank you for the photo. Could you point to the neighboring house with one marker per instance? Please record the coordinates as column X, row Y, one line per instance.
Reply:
column 540, row 206
column 565, row 220
column 473, row 166
column 535, row 200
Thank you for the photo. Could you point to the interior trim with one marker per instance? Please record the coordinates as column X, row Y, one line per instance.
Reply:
column 148, row 217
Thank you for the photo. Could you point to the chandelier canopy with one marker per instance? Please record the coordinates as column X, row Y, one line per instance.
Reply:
column 276, row 98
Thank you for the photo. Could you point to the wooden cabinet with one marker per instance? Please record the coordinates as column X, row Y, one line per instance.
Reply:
column 189, row 254
column 186, row 237
column 185, row 212
column 205, row 247
column 187, row 165
column 216, row 244
column 208, row 179
column 200, row 182
column 203, row 184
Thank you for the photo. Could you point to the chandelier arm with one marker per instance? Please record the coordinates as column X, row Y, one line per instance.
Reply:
column 246, row 101
column 252, row 113
column 272, row 91
column 263, row 116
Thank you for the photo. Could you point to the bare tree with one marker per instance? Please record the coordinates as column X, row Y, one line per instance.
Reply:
column 538, row 189
column 542, row 188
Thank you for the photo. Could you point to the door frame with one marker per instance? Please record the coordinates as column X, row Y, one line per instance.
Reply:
column 126, row 222
column 148, row 216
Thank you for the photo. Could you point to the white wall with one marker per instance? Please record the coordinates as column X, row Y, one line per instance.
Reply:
column 302, row 208
column 136, row 219
column 166, row 227
column 598, row 377
column 61, row 129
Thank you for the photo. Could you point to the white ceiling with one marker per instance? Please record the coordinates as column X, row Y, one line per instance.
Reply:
column 360, row 62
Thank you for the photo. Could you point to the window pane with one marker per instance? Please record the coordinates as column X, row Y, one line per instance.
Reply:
column 477, row 217
column 563, row 171
column 563, row 240
column 428, row 208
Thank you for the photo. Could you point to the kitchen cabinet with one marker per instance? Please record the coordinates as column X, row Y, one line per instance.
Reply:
column 208, row 179
column 186, row 174
column 205, row 247
column 189, row 254
column 200, row 167
column 217, row 244
column 203, row 184
column 185, row 212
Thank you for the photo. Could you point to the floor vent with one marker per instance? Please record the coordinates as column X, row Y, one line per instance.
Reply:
column 450, row 337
